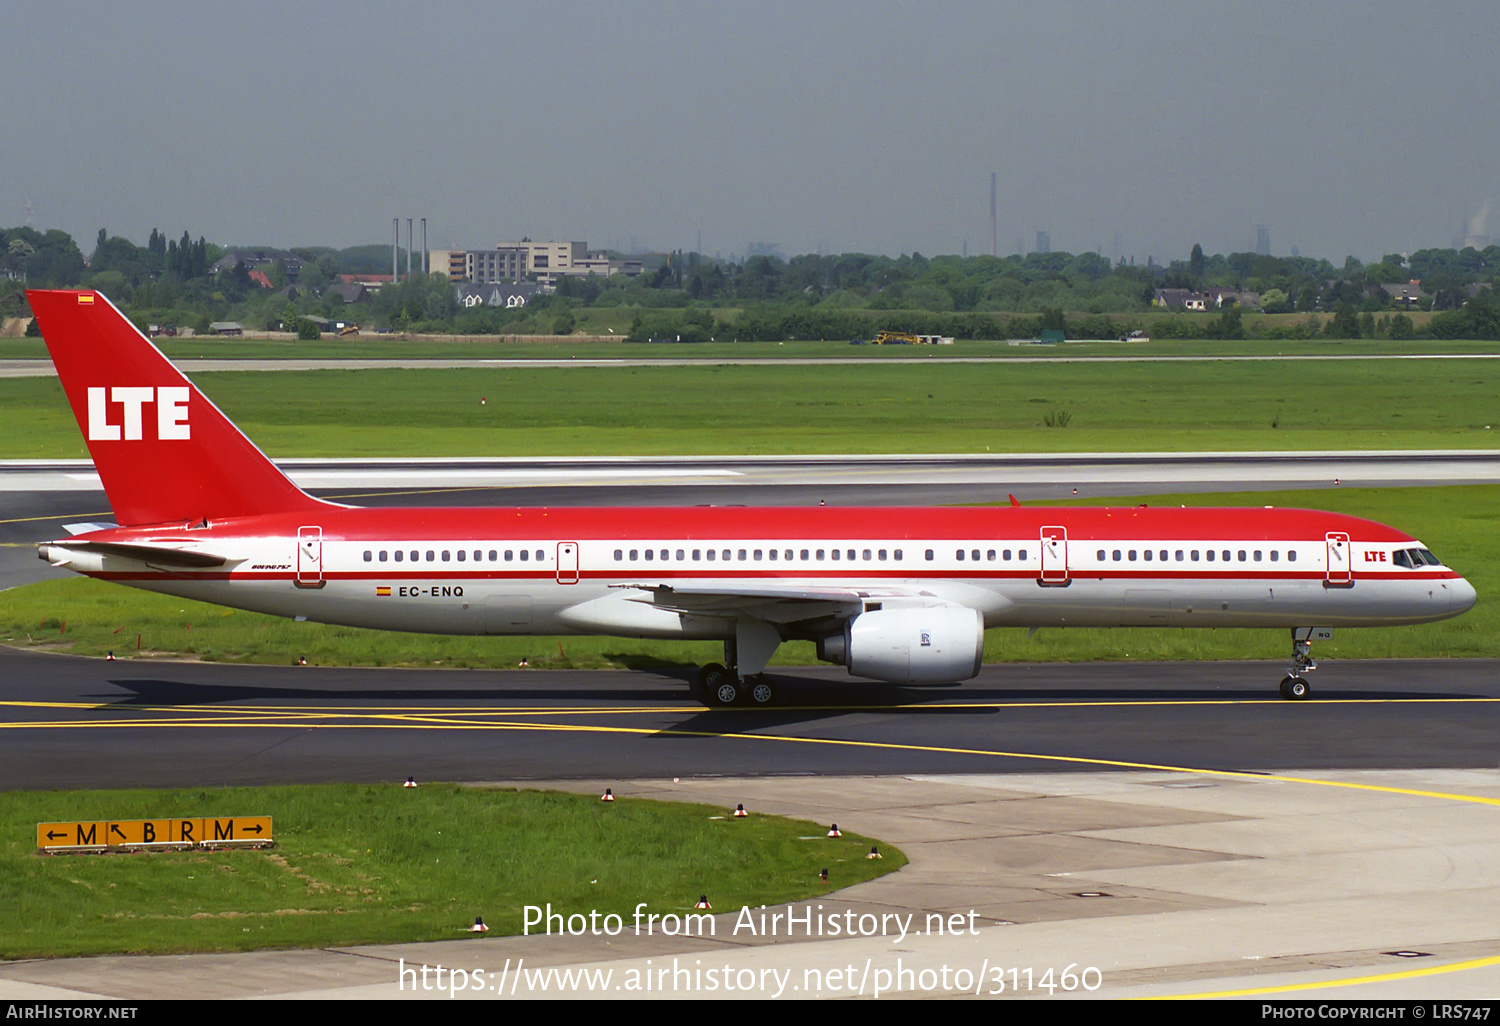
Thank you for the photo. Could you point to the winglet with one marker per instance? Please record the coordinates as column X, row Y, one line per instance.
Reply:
column 1014, row 501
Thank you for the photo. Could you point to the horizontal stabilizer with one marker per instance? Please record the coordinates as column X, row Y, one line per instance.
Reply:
column 160, row 555
column 102, row 525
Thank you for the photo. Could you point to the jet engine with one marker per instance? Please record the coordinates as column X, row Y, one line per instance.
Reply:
column 922, row 645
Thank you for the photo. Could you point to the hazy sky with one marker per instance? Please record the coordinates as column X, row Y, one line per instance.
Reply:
column 1349, row 126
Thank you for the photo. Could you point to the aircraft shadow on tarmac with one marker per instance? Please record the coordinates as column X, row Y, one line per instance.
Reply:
column 801, row 700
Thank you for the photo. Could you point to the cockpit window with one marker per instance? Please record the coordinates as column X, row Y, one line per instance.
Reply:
column 1400, row 558
column 1429, row 558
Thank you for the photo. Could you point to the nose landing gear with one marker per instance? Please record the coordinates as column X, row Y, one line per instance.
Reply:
column 1293, row 686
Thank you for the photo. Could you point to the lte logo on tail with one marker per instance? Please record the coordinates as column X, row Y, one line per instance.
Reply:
column 171, row 413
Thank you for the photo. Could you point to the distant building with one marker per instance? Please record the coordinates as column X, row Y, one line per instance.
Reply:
column 497, row 295
column 1407, row 295
column 226, row 328
column 1220, row 298
column 1043, row 242
column 543, row 262
column 259, row 259
column 349, row 292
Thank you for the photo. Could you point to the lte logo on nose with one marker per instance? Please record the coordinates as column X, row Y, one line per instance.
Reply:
column 171, row 413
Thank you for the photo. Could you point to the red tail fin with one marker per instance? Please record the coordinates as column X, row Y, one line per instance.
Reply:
column 164, row 452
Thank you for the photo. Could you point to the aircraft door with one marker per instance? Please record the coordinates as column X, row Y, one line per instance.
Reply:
column 567, row 562
column 1054, row 555
column 310, row 557
column 1340, row 570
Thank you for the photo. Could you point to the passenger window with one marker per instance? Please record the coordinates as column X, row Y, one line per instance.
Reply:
column 1210, row 555
column 619, row 555
column 834, row 554
column 1274, row 555
column 1194, row 555
column 650, row 555
column 382, row 555
column 1179, row 555
column 757, row 555
column 398, row 555
column 510, row 554
column 881, row 554
column 1291, row 555
column 369, row 556
column 430, row 555
column 898, row 555
column 525, row 555
column 820, row 555
column 804, row 555
column 742, row 555
column 1117, row 555
column 492, row 556
column 1101, row 555
column 1005, row 555
column 1257, row 555
column 1131, row 554
column 867, row 555
column 711, row 555
column 679, row 555
column 929, row 555
column 1021, row 554
column 697, row 555
column 1163, row 555
column 1147, row 554
column 959, row 555
column 460, row 555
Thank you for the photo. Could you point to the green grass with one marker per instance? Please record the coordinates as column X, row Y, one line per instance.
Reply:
column 905, row 407
column 379, row 864
column 1461, row 524
column 583, row 346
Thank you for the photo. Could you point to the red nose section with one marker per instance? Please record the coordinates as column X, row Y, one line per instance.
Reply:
column 164, row 452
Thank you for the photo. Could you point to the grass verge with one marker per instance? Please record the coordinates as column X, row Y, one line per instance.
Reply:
column 362, row 864
column 1461, row 524
column 903, row 406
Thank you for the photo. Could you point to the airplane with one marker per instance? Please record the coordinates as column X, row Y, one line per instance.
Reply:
column 900, row 595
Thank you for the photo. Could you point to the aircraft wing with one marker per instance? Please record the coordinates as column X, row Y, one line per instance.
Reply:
column 771, row 602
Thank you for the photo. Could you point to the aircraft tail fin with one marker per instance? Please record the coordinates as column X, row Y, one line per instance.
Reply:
column 163, row 451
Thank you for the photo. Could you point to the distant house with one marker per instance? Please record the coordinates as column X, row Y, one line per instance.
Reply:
column 1220, row 298
column 349, row 292
column 371, row 282
column 259, row 259
column 1208, row 299
column 226, row 328
column 1407, row 295
column 496, row 296
column 1178, row 299
column 259, row 278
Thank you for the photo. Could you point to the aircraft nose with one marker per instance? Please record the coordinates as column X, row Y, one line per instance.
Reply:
column 1462, row 595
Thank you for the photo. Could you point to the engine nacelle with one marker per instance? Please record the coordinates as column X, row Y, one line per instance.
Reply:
column 913, row 645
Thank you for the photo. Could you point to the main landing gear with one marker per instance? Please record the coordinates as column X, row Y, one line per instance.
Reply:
column 1294, row 686
column 721, row 686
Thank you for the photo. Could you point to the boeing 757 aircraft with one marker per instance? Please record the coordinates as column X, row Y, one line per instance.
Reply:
column 897, row 595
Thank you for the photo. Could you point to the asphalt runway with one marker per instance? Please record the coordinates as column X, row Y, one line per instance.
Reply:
column 72, row 722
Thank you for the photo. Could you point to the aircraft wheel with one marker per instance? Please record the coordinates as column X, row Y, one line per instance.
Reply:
column 703, row 675
column 761, row 692
column 1294, row 689
column 721, row 686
